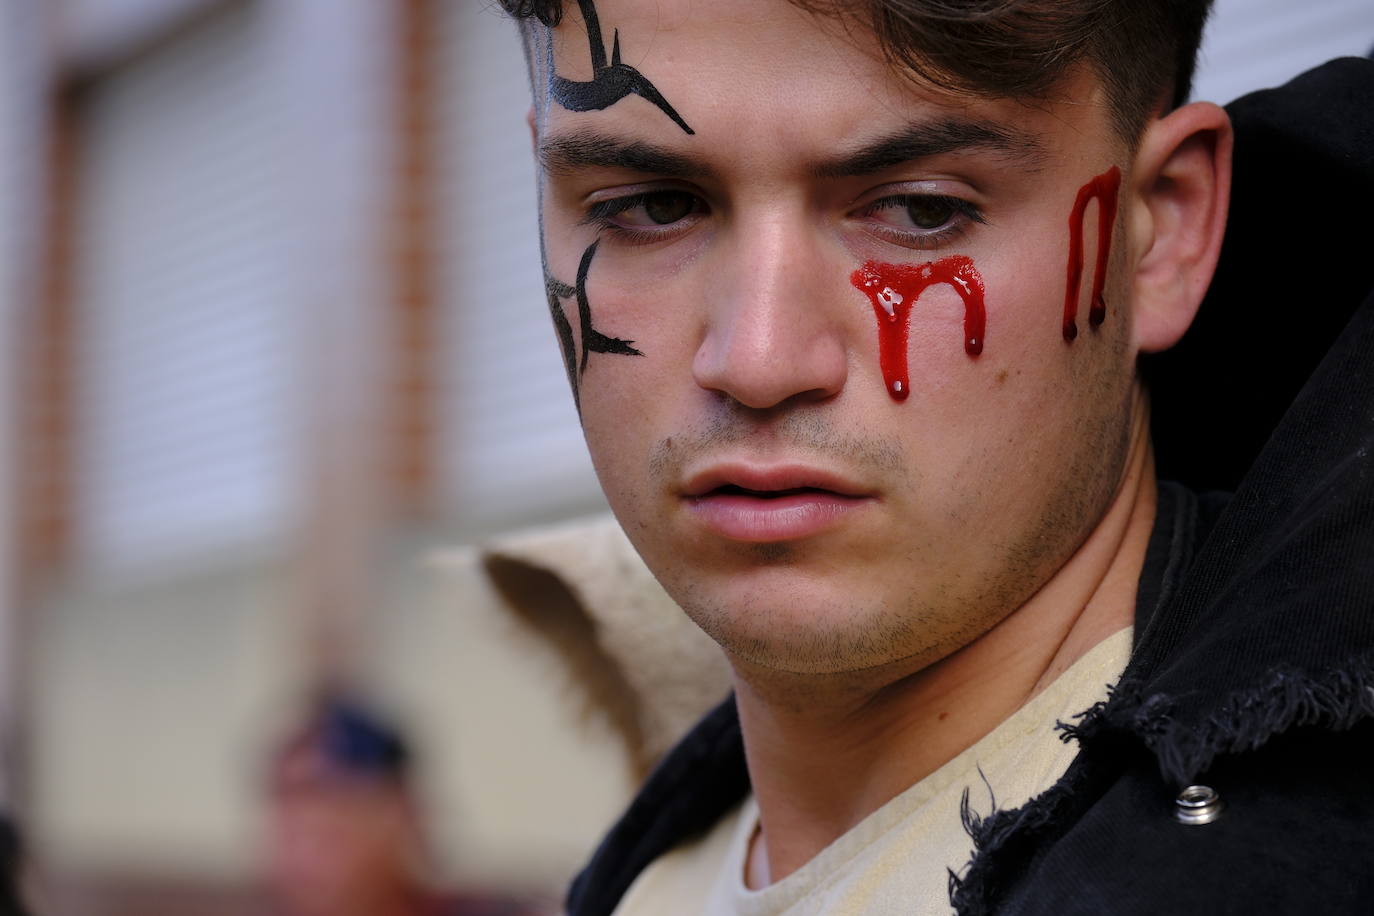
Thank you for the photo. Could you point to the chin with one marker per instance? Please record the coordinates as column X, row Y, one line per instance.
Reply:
column 808, row 627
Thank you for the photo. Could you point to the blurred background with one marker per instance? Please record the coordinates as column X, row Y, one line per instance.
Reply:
column 273, row 349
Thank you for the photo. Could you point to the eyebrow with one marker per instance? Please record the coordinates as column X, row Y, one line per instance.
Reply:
column 925, row 139
column 565, row 155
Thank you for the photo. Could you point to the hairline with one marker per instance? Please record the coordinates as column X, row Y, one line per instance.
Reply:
column 1129, row 132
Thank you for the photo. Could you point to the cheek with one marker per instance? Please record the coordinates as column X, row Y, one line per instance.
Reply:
column 894, row 291
column 621, row 403
column 629, row 404
column 991, row 327
column 1007, row 415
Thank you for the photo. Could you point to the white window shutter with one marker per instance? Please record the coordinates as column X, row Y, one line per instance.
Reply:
column 512, row 449
column 185, row 409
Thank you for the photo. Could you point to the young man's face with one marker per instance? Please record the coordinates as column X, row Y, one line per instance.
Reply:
column 741, row 208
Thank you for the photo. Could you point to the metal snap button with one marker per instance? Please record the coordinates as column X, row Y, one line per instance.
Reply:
column 1197, row 805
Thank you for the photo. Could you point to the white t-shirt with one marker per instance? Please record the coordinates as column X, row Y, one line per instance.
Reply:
column 896, row 860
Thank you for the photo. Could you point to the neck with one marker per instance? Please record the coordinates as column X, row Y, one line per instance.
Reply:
column 899, row 727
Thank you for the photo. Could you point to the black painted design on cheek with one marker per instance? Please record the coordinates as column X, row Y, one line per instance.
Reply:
column 556, row 290
column 610, row 82
column 593, row 341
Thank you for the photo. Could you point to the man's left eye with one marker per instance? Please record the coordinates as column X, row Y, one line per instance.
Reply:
column 923, row 211
column 921, row 220
column 929, row 212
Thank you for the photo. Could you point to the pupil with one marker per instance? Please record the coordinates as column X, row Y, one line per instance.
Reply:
column 929, row 212
column 667, row 207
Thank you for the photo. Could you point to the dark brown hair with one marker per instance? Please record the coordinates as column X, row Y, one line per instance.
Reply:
column 1142, row 50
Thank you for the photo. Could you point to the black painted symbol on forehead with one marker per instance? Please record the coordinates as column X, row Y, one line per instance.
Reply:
column 610, row 82
column 593, row 341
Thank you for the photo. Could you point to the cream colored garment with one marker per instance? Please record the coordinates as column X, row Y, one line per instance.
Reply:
column 896, row 859
column 633, row 653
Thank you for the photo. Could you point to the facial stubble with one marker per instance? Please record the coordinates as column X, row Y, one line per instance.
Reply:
column 807, row 629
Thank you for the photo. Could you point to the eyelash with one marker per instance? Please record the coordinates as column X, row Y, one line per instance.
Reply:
column 964, row 213
column 601, row 213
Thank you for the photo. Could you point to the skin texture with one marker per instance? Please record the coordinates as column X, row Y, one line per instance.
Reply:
column 990, row 527
column 611, row 80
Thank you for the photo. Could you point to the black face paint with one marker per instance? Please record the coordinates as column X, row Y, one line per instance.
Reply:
column 593, row 341
column 610, row 82
column 556, row 290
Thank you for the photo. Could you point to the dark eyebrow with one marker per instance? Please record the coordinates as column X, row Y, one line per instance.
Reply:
column 934, row 138
column 563, row 155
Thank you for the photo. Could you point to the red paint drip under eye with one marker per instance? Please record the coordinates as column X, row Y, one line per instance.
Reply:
column 1104, row 187
column 894, row 288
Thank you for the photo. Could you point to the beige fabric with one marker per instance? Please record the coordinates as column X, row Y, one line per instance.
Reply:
column 635, row 655
column 896, row 859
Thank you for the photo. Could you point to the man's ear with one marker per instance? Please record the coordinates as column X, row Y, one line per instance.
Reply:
column 1182, row 184
column 534, row 131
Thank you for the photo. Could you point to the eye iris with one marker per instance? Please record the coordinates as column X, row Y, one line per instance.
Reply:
column 929, row 212
column 667, row 206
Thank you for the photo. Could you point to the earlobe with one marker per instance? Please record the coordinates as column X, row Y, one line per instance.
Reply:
column 1182, row 184
column 534, row 130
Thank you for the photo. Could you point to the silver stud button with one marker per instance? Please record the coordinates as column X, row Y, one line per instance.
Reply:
column 1197, row 805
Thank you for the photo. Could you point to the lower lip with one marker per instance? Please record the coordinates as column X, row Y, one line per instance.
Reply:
column 785, row 518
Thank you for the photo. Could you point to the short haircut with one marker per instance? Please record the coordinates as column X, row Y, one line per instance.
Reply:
column 1144, row 51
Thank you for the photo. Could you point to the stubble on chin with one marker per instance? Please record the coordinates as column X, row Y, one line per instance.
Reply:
column 778, row 554
column 805, row 628
column 775, row 628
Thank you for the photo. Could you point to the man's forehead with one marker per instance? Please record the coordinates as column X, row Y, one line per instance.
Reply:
column 805, row 80
column 769, row 48
column 655, row 26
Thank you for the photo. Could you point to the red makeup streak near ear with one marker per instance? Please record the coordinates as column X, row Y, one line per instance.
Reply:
column 894, row 288
column 1104, row 187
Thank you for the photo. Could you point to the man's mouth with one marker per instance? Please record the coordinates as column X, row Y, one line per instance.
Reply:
column 769, row 482
column 761, row 505
column 736, row 490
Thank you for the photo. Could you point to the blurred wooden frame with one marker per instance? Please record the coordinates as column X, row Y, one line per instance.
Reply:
column 47, row 378
column 413, row 406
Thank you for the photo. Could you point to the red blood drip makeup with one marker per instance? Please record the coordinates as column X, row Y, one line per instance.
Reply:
column 1104, row 187
column 894, row 288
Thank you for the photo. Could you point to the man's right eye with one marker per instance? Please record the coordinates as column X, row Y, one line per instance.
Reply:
column 668, row 206
column 645, row 211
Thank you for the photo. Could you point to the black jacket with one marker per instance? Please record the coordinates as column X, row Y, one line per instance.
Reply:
column 1253, row 669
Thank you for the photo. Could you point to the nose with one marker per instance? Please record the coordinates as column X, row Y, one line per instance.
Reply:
column 775, row 328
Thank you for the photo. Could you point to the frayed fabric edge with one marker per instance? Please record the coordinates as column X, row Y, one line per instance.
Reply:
column 972, row 893
column 1245, row 720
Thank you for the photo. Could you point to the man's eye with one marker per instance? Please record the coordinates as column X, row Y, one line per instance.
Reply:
column 923, row 211
column 647, row 210
column 929, row 212
column 921, row 220
column 664, row 207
